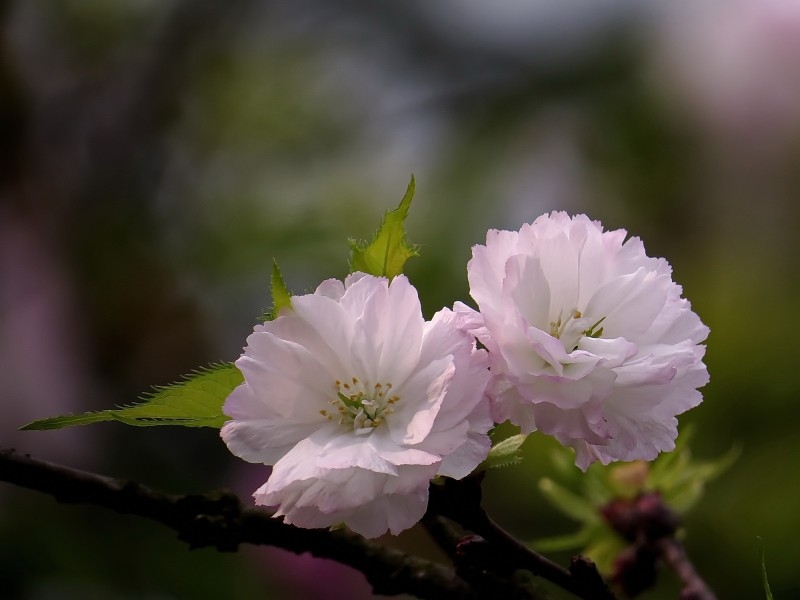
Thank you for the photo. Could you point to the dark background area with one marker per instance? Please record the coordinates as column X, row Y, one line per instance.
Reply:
column 156, row 155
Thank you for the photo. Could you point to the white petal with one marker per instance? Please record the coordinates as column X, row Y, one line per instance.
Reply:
column 332, row 288
column 380, row 442
column 263, row 441
column 470, row 320
column 395, row 513
column 347, row 451
column 614, row 352
column 287, row 377
column 300, row 463
column 391, row 330
column 420, row 399
column 527, row 286
column 329, row 319
column 325, row 473
column 604, row 394
column 462, row 461
column 486, row 269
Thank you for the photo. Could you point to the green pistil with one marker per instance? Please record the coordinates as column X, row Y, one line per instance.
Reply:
column 591, row 331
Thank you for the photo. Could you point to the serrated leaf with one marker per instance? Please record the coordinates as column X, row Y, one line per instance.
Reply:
column 195, row 402
column 389, row 250
column 505, row 453
column 281, row 297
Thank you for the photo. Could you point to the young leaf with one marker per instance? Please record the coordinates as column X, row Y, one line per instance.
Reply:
column 572, row 505
column 389, row 250
column 281, row 297
column 195, row 402
column 505, row 453
column 684, row 486
column 604, row 551
column 569, row 541
column 767, row 590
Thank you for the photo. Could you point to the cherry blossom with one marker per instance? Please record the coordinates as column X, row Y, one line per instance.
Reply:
column 589, row 339
column 358, row 402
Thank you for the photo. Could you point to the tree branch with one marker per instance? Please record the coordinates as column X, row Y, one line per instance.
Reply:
column 488, row 562
column 219, row 520
column 460, row 501
column 674, row 555
column 650, row 525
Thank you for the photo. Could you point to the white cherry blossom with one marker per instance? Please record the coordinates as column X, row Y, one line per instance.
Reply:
column 358, row 402
column 589, row 339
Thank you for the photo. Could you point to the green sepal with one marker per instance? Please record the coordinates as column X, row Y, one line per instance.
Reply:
column 504, row 453
column 389, row 249
column 281, row 296
column 195, row 402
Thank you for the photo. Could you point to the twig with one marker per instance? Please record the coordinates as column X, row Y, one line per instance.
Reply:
column 674, row 555
column 651, row 527
column 218, row 520
column 460, row 501
column 477, row 563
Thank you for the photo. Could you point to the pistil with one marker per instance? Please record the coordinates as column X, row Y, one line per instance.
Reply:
column 360, row 406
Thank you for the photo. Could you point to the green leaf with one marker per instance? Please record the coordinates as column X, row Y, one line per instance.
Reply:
column 569, row 541
column 604, row 551
column 505, row 453
column 195, row 402
column 281, row 297
column 389, row 250
column 567, row 502
column 683, row 487
column 767, row 590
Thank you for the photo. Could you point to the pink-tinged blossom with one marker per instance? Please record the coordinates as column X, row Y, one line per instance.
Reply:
column 733, row 65
column 589, row 339
column 358, row 402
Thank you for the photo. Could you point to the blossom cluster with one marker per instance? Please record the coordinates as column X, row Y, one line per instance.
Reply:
column 357, row 402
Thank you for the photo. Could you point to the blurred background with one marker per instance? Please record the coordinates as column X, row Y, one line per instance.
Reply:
column 155, row 155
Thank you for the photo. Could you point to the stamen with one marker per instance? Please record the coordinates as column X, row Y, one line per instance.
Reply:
column 362, row 407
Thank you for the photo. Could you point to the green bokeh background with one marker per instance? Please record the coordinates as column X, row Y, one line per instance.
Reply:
column 156, row 156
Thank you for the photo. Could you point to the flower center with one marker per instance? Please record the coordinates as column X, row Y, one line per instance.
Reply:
column 361, row 406
column 575, row 326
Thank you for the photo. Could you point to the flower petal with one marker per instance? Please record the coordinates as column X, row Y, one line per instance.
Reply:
column 356, row 401
column 588, row 338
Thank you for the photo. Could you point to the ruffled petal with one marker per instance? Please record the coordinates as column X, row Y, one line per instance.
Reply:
column 356, row 401
column 589, row 339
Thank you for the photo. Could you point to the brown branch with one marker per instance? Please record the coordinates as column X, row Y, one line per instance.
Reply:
column 651, row 527
column 674, row 555
column 476, row 562
column 219, row 520
column 460, row 501
column 486, row 564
